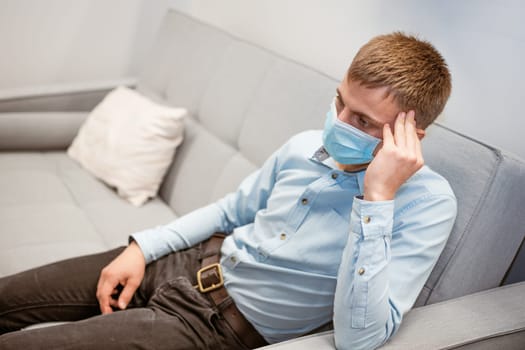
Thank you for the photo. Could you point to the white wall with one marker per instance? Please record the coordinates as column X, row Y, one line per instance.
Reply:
column 64, row 41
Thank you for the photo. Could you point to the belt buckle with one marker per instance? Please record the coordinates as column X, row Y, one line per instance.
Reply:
column 213, row 286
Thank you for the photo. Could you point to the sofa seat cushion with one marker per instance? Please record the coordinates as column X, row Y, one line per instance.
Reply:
column 52, row 209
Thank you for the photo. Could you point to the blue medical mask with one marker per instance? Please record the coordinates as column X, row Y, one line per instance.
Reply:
column 345, row 143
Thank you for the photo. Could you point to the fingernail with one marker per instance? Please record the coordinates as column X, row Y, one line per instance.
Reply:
column 122, row 305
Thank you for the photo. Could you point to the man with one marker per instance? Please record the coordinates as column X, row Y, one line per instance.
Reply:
column 341, row 225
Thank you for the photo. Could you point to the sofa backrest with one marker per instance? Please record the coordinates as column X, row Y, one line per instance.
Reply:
column 246, row 101
column 490, row 188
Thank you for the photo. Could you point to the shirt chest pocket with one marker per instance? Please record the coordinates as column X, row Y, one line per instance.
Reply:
column 320, row 240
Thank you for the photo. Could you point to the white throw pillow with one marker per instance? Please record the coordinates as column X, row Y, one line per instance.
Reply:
column 129, row 141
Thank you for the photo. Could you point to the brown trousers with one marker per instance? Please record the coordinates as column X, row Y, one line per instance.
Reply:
column 165, row 313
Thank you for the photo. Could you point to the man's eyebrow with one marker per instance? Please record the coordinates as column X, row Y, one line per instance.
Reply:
column 361, row 114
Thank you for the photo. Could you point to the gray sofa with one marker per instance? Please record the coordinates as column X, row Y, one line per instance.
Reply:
column 244, row 103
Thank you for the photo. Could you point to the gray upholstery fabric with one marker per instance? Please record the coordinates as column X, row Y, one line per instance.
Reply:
column 182, row 61
column 52, row 209
column 52, row 101
column 244, row 102
column 512, row 341
column 465, row 320
column 39, row 131
column 291, row 98
column 198, row 162
column 490, row 188
column 231, row 89
column 517, row 271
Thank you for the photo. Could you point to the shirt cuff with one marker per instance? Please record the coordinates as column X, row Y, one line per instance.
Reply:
column 153, row 242
column 372, row 219
column 143, row 240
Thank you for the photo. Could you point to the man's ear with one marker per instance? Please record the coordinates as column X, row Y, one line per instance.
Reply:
column 420, row 134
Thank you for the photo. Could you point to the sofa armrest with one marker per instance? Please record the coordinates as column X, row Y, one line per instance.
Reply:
column 39, row 131
column 48, row 117
column 490, row 319
column 72, row 97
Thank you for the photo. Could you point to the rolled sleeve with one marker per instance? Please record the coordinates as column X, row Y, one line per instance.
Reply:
column 146, row 241
column 182, row 233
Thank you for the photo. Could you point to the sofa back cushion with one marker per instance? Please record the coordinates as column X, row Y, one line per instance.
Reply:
column 246, row 101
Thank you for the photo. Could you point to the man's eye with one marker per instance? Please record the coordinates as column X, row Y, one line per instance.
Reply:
column 362, row 121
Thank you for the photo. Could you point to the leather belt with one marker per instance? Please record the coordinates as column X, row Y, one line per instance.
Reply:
column 210, row 281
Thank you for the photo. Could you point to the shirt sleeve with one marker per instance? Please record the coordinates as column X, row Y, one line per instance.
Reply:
column 385, row 265
column 234, row 210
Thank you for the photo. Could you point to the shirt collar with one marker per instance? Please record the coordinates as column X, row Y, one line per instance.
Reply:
column 322, row 157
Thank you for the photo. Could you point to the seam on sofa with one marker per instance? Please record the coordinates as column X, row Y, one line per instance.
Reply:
column 299, row 340
column 486, row 145
column 469, row 296
column 250, row 104
column 511, row 266
column 428, row 292
column 57, row 90
column 60, row 174
column 455, row 132
column 215, row 71
column 459, row 300
column 481, row 339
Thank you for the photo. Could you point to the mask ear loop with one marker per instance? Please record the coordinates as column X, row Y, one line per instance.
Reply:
column 333, row 107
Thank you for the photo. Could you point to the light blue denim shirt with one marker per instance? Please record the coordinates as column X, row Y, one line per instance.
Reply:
column 304, row 249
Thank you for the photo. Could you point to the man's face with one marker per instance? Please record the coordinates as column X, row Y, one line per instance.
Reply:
column 367, row 110
column 364, row 108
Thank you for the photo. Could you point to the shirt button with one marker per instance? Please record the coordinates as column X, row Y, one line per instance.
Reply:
column 334, row 176
column 283, row 236
column 361, row 271
column 233, row 259
column 367, row 219
column 304, row 201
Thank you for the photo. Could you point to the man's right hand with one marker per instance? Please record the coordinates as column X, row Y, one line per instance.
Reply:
column 126, row 270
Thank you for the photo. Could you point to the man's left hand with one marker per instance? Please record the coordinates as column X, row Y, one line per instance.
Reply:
column 398, row 159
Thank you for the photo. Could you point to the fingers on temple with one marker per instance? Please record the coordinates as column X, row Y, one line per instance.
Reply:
column 410, row 129
column 399, row 132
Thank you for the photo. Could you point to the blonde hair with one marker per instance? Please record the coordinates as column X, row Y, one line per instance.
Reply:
column 414, row 72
